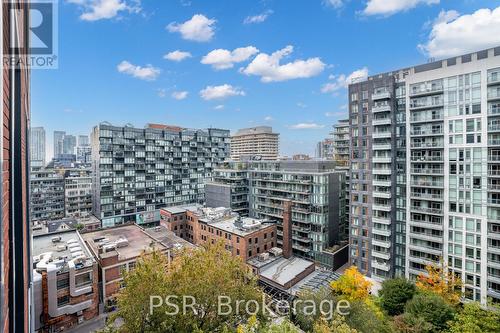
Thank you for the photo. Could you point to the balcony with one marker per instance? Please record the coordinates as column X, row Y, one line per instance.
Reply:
column 381, row 121
column 381, row 255
column 381, row 220
column 426, row 158
column 494, row 94
column 381, row 232
column 427, row 132
column 381, row 159
column 494, row 187
column 494, row 127
column 381, row 265
column 381, row 135
column 434, row 144
column 381, row 108
column 427, row 171
column 494, row 109
column 381, row 243
column 427, row 224
column 428, row 90
column 378, row 146
column 493, row 78
column 381, row 183
column 427, row 196
column 381, row 171
column 427, row 183
column 381, row 95
column 435, row 211
column 385, row 208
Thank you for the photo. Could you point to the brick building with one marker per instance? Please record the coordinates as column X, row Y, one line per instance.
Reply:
column 15, row 277
column 65, row 281
column 117, row 249
column 243, row 236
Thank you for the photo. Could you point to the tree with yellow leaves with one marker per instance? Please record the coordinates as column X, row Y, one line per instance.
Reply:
column 440, row 281
column 352, row 285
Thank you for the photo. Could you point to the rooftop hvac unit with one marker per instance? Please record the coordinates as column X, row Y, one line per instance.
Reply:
column 72, row 240
column 75, row 249
column 77, row 254
column 61, row 248
column 56, row 239
column 264, row 256
column 122, row 242
column 276, row 251
column 109, row 248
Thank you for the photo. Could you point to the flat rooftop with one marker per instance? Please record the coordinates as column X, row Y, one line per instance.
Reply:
column 138, row 241
column 223, row 218
column 282, row 270
column 168, row 238
column 62, row 245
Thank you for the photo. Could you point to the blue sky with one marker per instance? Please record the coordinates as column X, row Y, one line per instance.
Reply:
column 280, row 63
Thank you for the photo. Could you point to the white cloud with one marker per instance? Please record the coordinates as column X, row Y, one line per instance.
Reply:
column 177, row 55
column 219, row 107
column 268, row 118
column 342, row 81
column 220, row 92
column 268, row 67
column 199, row 28
column 301, row 105
column 453, row 35
column 224, row 59
column 161, row 92
column 94, row 10
column 390, row 7
column 333, row 3
column 148, row 73
column 179, row 95
column 257, row 18
column 306, row 126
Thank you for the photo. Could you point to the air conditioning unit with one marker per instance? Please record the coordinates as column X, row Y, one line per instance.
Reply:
column 56, row 239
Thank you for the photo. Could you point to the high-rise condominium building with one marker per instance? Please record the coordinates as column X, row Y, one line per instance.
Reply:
column 341, row 139
column 425, row 171
column 37, row 146
column 46, row 195
column 260, row 189
column 78, row 192
column 137, row 171
column 58, row 143
column 83, row 150
column 255, row 141
column 69, row 144
column 324, row 149
column 15, row 244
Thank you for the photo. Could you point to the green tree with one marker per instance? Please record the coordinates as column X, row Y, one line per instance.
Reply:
column 474, row 319
column 202, row 275
column 254, row 326
column 430, row 311
column 148, row 278
column 303, row 317
column 394, row 295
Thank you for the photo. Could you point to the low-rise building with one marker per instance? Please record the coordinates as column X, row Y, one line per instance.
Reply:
column 65, row 281
column 118, row 248
column 243, row 236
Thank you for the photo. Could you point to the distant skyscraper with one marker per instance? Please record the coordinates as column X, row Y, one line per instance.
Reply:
column 255, row 141
column 58, row 142
column 324, row 149
column 37, row 146
column 69, row 144
column 83, row 140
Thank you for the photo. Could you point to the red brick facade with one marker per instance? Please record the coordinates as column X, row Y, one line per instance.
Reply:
column 14, row 315
column 187, row 225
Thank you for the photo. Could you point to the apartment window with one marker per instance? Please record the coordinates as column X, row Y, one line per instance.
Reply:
column 63, row 300
column 83, row 279
column 62, row 283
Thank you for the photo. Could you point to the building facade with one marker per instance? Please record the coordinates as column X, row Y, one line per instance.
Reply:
column 316, row 189
column 69, row 144
column 78, row 192
column 325, row 149
column 58, row 143
column 47, row 195
column 37, row 147
column 255, row 141
column 138, row 171
column 243, row 236
column 423, row 171
column 65, row 282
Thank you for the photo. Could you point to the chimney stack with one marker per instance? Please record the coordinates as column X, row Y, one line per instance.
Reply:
column 287, row 229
